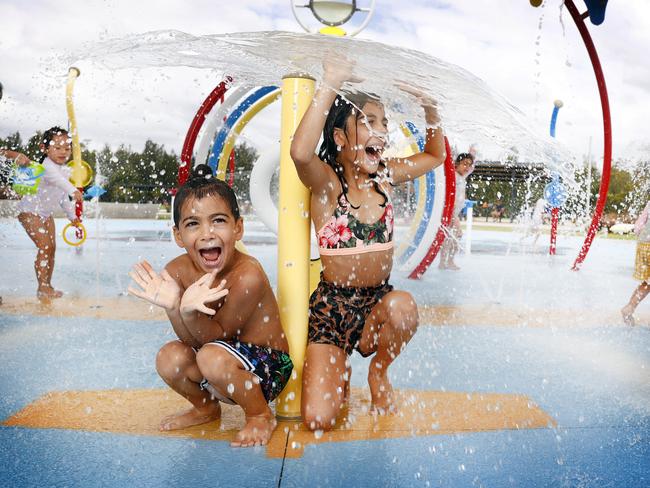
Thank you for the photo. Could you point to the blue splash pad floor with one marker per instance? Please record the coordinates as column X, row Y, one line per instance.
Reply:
column 593, row 380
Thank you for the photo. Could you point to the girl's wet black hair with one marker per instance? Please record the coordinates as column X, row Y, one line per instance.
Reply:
column 201, row 184
column 337, row 117
column 48, row 135
column 462, row 156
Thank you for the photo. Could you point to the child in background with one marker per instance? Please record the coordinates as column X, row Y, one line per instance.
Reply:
column 534, row 229
column 464, row 166
column 35, row 211
column 231, row 346
column 641, row 265
column 354, row 306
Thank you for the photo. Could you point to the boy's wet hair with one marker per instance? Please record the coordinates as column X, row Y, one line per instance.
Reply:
column 48, row 136
column 201, row 184
column 337, row 117
column 462, row 156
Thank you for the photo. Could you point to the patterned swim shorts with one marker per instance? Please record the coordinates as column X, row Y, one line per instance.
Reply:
column 272, row 367
column 337, row 314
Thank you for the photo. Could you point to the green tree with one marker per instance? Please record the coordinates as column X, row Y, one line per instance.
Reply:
column 640, row 194
column 145, row 177
column 13, row 142
column 245, row 157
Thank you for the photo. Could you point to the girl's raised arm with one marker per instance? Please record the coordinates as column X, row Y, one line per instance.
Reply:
column 311, row 170
column 406, row 169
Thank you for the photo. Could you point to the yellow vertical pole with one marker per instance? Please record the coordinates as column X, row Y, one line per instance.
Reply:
column 293, row 243
column 78, row 171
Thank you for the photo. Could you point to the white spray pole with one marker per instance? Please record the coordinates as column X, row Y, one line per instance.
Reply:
column 469, row 204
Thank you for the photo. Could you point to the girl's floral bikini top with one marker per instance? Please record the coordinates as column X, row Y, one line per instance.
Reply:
column 344, row 234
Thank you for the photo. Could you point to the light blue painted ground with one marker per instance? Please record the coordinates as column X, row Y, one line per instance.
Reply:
column 593, row 380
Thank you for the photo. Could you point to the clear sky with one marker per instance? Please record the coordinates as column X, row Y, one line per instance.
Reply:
column 531, row 56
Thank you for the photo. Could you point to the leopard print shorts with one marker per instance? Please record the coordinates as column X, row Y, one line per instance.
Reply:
column 337, row 314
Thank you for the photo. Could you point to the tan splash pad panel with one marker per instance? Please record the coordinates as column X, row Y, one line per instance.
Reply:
column 421, row 413
column 477, row 314
column 116, row 308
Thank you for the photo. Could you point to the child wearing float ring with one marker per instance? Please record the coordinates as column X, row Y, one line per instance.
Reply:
column 354, row 307
column 35, row 211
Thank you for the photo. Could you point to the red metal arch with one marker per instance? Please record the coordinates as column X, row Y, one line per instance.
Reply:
column 215, row 96
column 607, row 131
column 447, row 212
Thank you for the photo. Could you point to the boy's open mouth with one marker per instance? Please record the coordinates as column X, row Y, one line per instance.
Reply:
column 210, row 255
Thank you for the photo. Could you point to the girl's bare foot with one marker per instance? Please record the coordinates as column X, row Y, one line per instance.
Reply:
column 627, row 312
column 48, row 292
column 256, row 432
column 453, row 266
column 381, row 393
column 193, row 416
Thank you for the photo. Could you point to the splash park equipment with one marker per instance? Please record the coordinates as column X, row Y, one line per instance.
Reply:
column 76, row 239
column 447, row 212
column 243, row 104
column 332, row 15
column 555, row 192
column 596, row 10
column 81, row 171
column 596, row 13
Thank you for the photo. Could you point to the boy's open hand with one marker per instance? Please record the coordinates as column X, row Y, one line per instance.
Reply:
column 159, row 289
column 199, row 294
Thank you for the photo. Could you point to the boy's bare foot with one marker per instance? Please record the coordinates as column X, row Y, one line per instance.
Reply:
column 453, row 266
column 381, row 393
column 193, row 416
column 256, row 432
column 47, row 292
column 628, row 318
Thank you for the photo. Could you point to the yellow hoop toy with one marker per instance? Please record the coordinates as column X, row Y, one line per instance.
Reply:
column 81, row 240
column 82, row 173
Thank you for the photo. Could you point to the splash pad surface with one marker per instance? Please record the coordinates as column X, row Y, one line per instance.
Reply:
column 506, row 381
